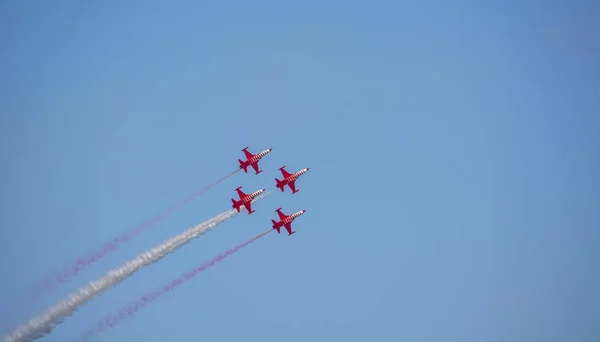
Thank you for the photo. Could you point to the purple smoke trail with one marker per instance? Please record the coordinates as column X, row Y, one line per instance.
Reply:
column 111, row 321
column 82, row 262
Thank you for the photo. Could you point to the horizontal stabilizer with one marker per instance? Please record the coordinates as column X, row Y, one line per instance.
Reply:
column 275, row 226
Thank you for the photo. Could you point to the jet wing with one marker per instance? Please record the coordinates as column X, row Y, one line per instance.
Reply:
column 241, row 193
column 281, row 215
column 248, row 154
column 248, row 206
column 255, row 166
column 284, row 173
column 292, row 185
column 288, row 226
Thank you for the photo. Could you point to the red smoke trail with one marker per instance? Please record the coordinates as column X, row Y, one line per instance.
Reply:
column 84, row 261
column 111, row 321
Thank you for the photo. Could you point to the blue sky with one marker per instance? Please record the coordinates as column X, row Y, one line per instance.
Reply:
column 453, row 149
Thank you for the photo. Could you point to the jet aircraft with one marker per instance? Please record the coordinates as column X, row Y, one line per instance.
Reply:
column 245, row 200
column 289, row 179
column 286, row 221
column 252, row 160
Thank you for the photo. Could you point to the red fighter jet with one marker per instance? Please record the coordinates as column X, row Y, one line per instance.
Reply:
column 252, row 160
column 286, row 221
column 289, row 179
column 245, row 199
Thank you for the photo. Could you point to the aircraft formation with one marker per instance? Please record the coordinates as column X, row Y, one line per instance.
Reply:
column 289, row 179
column 43, row 323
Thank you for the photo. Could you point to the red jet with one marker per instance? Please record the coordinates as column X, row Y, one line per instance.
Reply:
column 252, row 160
column 286, row 221
column 246, row 200
column 289, row 179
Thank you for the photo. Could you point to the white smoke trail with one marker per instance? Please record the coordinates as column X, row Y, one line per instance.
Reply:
column 43, row 324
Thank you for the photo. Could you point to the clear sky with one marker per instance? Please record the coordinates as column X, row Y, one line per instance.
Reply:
column 453, row 147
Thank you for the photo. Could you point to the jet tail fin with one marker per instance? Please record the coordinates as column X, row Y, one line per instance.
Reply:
column 235, row 205
column 242, row 165
column 279, row 184
column 276, row 227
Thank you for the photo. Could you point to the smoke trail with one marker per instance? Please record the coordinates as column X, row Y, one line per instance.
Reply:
column 82, row 262
column 111, row 321
column 43, row 324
